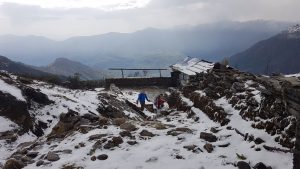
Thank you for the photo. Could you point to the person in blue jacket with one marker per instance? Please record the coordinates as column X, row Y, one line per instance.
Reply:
column 142, row 99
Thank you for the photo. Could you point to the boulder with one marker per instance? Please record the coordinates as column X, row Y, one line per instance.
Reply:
column 117, row 140
column 32, row 154
column 97, row 136
column 52, row 156
column 208, row 137
column 146, row 133
column 261, row 165
column 13, row 164
column 39, row 163
column 178, row 131
column 118, row 121
column 208, row 147
column 132, row 142
column 125, row 134
column 258, row 140
column 102, row 157
column 35, row 95
column 128, row 126
column 243, row 165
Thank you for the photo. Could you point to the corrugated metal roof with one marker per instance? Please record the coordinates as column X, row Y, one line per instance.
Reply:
column 192, row 66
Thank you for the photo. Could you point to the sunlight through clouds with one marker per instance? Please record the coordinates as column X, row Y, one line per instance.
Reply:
column 100, row 4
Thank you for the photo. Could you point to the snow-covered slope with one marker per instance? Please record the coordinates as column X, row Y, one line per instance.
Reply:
column 103, row 129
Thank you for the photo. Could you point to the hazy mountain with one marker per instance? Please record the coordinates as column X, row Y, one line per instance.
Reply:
column 146, row 48
column 20, row 68
column 66, row 67
column 278, row 54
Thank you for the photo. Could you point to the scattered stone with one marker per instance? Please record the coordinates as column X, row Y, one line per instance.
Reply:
column 26, row 159
column 118, row 121
column 32, row 154
column 96, row 136
column 146, row 133
column 224, row 145
column 67, row 151
column 13, row 164
column 102, row 157
column 214, row 130
column 103, row 121
column 193, row 148
column 117, row 140
column 128, row 126
column 125, row 134
column 178, row 131
column 243, row 165
column 208, row 137
column 82, row 144
column 208, row 147
column 109, row 145
column 179, row 157
column 39, row 163
column 261, row 165
column 258, row 140
column 93, row 158
column 130, row 142
column 52, row 157
column 190, row 147
column 159, row 126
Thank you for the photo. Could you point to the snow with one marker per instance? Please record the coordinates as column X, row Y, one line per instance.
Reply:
column 293, row 75
column 6, row 124
column 14, row 91
column 157, row 152
column 191, row 66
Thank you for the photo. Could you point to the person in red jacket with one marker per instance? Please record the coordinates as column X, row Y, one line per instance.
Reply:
column 159, row 101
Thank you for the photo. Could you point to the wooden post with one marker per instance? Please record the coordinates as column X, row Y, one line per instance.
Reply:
column 159, row 73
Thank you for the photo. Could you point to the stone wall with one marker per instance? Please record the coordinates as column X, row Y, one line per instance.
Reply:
column 292, row 95
column 140, row 82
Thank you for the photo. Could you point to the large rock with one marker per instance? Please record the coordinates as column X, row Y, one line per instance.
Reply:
column 146, row 133
column 51, row 156
column 261, row 165
column 16, row 111
column 68, row 122
column 35, row 95
column 13, row 164
column 178, row 131
column 128, row 126
column 208, row 137
column 208, row 147
column 243, row 165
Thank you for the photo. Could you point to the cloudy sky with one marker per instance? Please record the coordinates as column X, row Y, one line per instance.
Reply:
column 60, row 19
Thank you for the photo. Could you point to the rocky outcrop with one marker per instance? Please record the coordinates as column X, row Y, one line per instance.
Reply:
column 35, row 95
column 16, row 111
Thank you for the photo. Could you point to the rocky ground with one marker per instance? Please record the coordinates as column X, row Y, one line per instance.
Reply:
column 224, row 119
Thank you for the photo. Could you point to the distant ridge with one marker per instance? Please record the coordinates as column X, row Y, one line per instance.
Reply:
column 67, row 67
column 20, row 68
column 278, row 54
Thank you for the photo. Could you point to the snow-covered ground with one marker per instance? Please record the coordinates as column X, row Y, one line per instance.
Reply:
column 161, row 151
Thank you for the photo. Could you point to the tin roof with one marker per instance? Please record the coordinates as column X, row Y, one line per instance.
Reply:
column 192, row 66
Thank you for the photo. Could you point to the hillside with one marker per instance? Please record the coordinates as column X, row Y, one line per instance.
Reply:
column 278, row 54
column 20, row 68
column 66, row 67
column 146, row 48
column 239, row 122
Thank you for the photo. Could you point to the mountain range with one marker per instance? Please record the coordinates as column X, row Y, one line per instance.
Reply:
column 20, row 68
column 278, row 54
column 66, row 67
column 145, row 48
